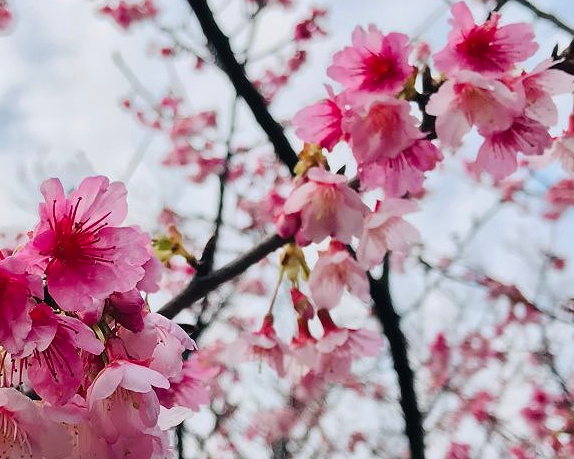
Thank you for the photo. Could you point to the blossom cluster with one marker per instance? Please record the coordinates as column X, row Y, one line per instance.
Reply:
column 480, row 86
column 76, row 331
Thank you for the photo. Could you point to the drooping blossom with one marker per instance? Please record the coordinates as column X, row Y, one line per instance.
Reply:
column 320, row 123
column 402, row 174
column 122, row 402
column 380, row 128
column 25, row 432
column 497, row 155
column 375, row 63
column 17, row 288
column 385, row 230
column 265, row 345
column 488, row 48
column 80, row 247
column 469, row 99
column 327, row 207
column 335, row 271
column 339, row 347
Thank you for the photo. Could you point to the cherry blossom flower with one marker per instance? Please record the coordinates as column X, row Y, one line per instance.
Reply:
column 458, row 451
column 122, row 402
column 402, row 174
column 539, row 87
column 497, row 155
column 560, row 197
column 375, row 63
column 5, row 17
column 16, row 290
column 380, row 128
column 385, row 230
column 79, row 246
column 320, row 123
column 264, row 344
column 189, row 388
column 340, row 346
column 489, row 49
column 469, row 99
column 563, row 147
column 334, row 271
column 26, row 432
column 327, row 207
column 55, row 367
column 438, row 362
column 308, row 28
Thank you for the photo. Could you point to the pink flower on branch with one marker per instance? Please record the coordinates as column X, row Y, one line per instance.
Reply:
column 385, row 230
column 320, row 123
column 80, row 247
column 335, row 271
column 489, row 49
column 327, row 207
column 375, row 63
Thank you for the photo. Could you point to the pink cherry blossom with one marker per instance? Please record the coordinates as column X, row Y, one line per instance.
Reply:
column 339, row 347
column 122, row 402
column 375, row 62
column 497, row 155
column 26, row 432
column 334, row 271
column 79, row 246
column 469, row 99
column 560, row 197
column 189, row 388
column 320, row 123
column 16, row 290
column 458, row 451
column 327, row 207
column 303, row 353
column 563, row 147
column 402, row 174
column 127, row 309
column 5, row 17
column 264, row 344
column 160, row 343
column 380, row 128
column 385, row 230
column 539, row 87
column 487, row 48
column 55, row 369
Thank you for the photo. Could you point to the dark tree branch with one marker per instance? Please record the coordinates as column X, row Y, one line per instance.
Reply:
column 200, row 286
column 225, row 59
column 543, row 15
column 385, row 312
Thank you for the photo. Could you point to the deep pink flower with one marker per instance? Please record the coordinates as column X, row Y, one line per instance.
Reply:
column 127, row 309
column 124, row 14
column 487, row 48
column 303, row 354
column 469, row 99
column 308, row 28
column 334, row 271
column 188, row 126
column 439, row 361
column 497, row 155
column 402, row 174
column 16, row 290
column 79, row 246
column 458, row 451
column 122, row 402
column 560, row 197
column 52, row 354
column 563, row 147
column 380, row 128
column 25, row 431
column 385, row 230
column 327, row 206
column 375, row 63
column 320, row 123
